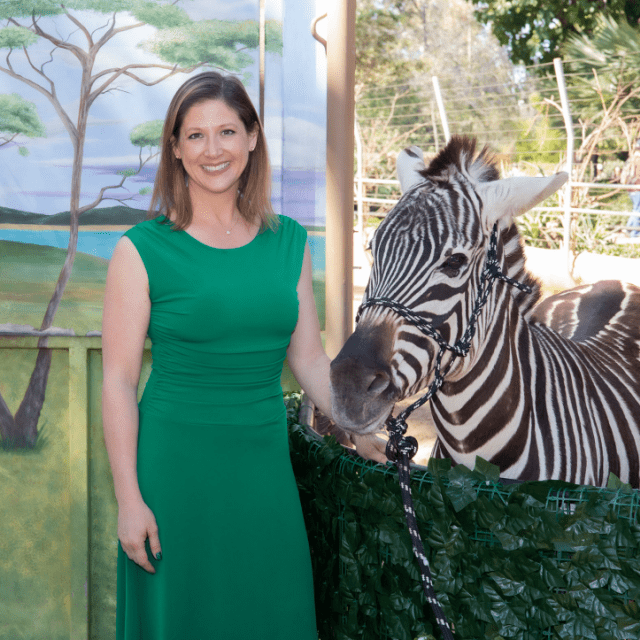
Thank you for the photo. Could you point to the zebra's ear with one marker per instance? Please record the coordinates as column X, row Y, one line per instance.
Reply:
column 408, row 165
column 505, row 199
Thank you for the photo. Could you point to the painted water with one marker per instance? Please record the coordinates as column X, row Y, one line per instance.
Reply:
column 102, row 243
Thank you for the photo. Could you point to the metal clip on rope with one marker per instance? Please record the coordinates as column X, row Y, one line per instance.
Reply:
column 401, row 448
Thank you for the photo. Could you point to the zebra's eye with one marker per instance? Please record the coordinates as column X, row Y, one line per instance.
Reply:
column 454, row 262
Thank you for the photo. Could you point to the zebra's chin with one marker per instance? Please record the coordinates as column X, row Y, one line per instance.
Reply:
column 360, row 424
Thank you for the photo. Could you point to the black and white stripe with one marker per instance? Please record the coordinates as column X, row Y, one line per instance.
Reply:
column 547, row 391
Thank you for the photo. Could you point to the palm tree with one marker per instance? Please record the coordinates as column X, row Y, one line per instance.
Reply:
column 603, row 85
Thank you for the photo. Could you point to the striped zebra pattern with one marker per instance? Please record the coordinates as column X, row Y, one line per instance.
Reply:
column 549, row 390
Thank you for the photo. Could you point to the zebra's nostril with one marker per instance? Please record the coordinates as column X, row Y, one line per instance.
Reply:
column 379, row 383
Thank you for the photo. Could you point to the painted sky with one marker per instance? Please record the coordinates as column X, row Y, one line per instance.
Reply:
column 295, row 111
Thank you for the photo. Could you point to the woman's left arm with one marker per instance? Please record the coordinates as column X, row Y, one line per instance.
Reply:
column 310, row 364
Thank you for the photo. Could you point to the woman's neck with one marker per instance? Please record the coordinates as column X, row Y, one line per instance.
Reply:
column 222, row 206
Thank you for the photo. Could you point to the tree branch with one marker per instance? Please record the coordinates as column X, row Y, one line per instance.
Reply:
column 7, row 141
column 76, row 51
column 106, row 26
column 114, row 32
column 80, row 26
column 40, row 72
column 50, row 95
column 100, row 197
column 125, row 71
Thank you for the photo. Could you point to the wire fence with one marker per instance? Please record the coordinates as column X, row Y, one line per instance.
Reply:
column 538, row 120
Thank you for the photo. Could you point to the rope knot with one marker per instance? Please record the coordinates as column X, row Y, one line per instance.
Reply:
column 461, row 348
column 399, row 445
column 491, row 270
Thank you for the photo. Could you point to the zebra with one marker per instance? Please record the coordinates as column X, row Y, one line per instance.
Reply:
column 546, row 391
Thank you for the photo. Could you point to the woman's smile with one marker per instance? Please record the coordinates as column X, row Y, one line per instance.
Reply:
column 219, row 167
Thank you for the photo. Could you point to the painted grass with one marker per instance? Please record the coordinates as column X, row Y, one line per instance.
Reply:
column 35, row 530
column 28, row 273
column 35, row 527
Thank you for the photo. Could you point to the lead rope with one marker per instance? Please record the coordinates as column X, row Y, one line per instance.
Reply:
column 400, row 448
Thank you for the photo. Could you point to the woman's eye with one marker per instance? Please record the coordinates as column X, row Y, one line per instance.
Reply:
column 193, row 136
column 228, row 132
column 454, row 262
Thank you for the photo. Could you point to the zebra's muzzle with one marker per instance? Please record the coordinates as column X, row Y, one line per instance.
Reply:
column 362, row 389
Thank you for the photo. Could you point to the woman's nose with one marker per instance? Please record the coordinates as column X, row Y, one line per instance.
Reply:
column 213, row 146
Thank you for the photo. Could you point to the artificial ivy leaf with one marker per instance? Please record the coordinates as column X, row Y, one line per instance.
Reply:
column 490, row 471
column 439, row 467
column 461, row 493
column 581, row 625
column 617, row 485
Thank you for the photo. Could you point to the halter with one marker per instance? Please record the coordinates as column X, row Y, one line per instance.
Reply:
column 400, row 448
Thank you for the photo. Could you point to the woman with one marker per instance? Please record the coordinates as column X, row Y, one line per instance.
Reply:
column 211, row 537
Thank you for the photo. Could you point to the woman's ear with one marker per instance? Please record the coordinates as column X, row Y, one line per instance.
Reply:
column 253, row 137
column 174, row 147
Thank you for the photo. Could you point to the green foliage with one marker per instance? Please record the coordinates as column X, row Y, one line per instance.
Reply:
column 178, row 40
column 527, row 561
column 541, row 139
column 155, row 12
column 18, row 115
column 612, row 52
column 128, row 173
column 540, row 229
column 161, row 16
column 381, row 44
column 27, row 8
column 16, row 38
column 534, row 30
column 214, row 42
column 147, row 134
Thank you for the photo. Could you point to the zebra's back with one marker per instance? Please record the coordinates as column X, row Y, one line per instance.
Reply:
column 609, row 310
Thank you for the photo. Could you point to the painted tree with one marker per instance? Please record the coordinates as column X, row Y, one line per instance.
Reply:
column 18, row 118
column 180, row 46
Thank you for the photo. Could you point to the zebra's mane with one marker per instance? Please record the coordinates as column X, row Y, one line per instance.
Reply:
column 459, row 157
column 459, row 160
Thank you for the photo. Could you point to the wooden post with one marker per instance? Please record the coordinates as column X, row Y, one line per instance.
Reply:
column 340, row 147
column 79, row 491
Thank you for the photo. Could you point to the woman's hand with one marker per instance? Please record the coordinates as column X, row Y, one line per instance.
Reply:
column 136, row 523
column 370, row 447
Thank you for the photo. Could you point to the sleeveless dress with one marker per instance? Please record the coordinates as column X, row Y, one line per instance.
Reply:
column 213, row 454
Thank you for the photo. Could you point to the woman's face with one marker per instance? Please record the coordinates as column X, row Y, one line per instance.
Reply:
column 214, row 147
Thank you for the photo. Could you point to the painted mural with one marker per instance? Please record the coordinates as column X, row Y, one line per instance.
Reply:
column 83, row 92
column 84, row 87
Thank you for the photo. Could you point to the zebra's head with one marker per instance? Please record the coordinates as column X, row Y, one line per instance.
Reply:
column 428, row 255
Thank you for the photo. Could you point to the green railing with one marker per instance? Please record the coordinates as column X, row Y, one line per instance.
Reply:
column 530, row 561
column 57, row 533
column 59, row 516
column 534, row 561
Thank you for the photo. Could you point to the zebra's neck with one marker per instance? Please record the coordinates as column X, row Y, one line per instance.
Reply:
column 485, row 396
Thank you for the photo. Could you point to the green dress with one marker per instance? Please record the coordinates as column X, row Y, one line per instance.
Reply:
column 213, row 455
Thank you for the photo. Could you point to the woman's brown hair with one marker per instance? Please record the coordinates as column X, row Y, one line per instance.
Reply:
column 170, row 191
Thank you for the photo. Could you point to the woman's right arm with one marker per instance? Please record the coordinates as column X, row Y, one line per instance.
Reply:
column 124, row 328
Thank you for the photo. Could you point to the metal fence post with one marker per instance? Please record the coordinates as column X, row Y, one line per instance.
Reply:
column 568, row 123
column 443, row 113
column 359, row 183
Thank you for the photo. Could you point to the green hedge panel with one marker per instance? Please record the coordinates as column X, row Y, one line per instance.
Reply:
column 529, row 561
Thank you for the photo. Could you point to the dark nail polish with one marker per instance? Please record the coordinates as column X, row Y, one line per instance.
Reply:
column 159, row 555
